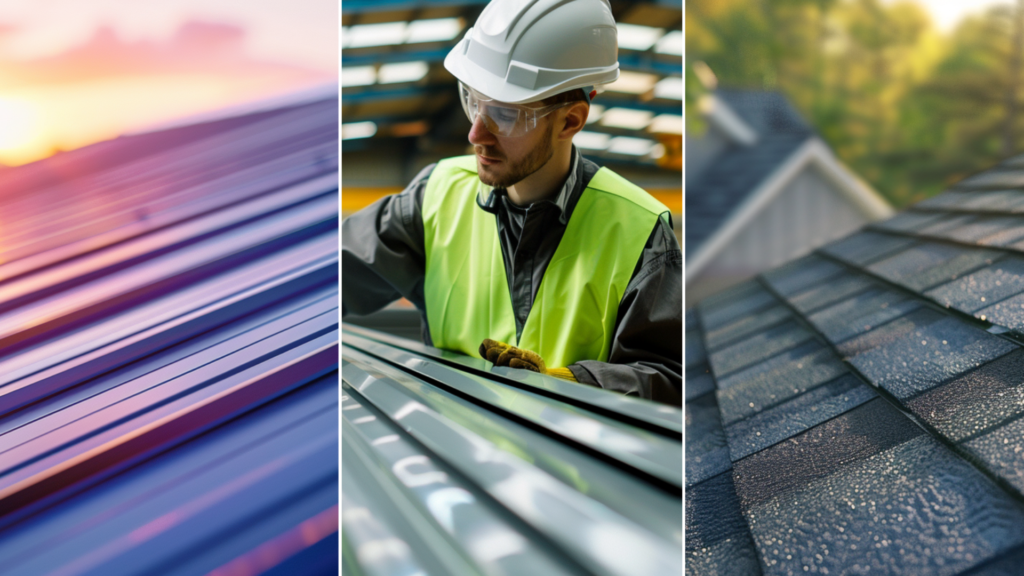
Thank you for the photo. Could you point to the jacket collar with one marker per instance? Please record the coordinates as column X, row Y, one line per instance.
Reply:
column 488, row 198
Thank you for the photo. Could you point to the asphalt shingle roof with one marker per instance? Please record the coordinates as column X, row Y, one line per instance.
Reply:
column 737, row 171
column 869, row 397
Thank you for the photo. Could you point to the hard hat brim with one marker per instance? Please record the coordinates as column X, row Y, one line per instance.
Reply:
column 499, row 88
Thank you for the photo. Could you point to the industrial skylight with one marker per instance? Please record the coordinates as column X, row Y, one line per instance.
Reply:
column 357, row 76
column 376, row 34
column 633, row 37
column 630, row 146
column 591, row 140
column 596, row 110
column 671, row 43
column 626, row 118
column 390, row 33
column 667, row 124
column 434, row 30
column 355, row 130
column 633, row 82
column 670, row 87
column 402, row 72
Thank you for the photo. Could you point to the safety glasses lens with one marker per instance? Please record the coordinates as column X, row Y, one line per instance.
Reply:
column 499, row 120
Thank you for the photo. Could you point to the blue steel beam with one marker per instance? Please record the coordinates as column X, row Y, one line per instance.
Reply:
column 363, row 6
column 375, row 94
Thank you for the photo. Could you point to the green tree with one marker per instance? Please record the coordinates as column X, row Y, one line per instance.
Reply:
column 906, row 108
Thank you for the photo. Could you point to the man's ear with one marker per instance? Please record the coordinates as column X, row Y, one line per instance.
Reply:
column 575, row 120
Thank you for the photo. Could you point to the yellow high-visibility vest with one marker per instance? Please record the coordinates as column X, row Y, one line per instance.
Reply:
column 573, row 315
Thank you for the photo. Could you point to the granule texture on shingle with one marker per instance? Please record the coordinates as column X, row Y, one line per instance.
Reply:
column 977, row 401
column 865, row 247
column 861, row 313
column 1002, row 450
column 801, row 274
column 748, row 298
column 776, row 380
column 794, row 416
column 930, row 264
column 707, row 453
column 983, row 287
column 836, row 289
column 929, row 355
column 1009, row 313
column 745, row 326
column 757, row 348
column 717, row 537
column 914, row 508
column 889, row 332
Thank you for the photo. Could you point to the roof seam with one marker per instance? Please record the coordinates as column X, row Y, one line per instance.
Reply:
column 889, row 397
column 990, row 327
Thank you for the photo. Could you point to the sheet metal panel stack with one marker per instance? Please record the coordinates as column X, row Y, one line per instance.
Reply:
column 454, row 466
column 168, row 352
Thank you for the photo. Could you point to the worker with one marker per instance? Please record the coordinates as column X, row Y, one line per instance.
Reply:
column 526, row 253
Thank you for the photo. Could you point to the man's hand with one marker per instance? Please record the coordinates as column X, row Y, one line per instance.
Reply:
column 502, row 354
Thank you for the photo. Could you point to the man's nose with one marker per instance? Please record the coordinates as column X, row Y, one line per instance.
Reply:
column 479, row 135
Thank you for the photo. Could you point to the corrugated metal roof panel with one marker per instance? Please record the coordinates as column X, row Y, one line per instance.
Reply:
column 168, row 352
column 569, row 479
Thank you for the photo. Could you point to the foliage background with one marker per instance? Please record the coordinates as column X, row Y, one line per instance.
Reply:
column 908, row 108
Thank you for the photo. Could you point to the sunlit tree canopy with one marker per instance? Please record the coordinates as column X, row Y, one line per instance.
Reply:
column 907, row 107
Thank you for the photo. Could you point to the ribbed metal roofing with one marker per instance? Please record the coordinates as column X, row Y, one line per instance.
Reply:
column 168, row 352
column 453, row 466
column 859, row 410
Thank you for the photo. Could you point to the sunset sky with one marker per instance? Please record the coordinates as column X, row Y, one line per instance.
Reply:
column 73, row 72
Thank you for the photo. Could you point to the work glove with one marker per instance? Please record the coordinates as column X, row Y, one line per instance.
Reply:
column 502, row 354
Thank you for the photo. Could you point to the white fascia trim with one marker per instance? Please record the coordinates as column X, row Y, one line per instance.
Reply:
column 812, row 152
column 725, row 119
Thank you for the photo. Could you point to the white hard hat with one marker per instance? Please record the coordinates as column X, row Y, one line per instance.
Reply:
column 526, row 50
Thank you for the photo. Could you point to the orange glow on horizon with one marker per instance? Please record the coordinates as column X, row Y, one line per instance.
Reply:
column 38, row 121
column 106, row 86
column 19, row 130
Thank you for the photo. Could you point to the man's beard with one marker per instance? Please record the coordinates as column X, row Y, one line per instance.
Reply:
column 517, row 172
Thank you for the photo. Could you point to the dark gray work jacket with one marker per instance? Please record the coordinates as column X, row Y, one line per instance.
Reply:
column 383, row 259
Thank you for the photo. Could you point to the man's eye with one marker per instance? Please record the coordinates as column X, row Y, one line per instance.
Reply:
column 504, row 114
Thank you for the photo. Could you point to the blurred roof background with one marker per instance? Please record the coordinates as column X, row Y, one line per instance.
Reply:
column 400, row 110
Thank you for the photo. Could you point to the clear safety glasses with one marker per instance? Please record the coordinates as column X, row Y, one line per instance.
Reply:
column 499, row 118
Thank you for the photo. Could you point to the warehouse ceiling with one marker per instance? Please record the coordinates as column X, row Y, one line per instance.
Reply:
column 397, row 95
